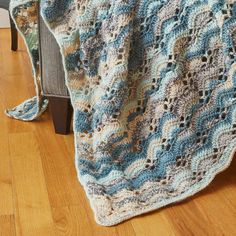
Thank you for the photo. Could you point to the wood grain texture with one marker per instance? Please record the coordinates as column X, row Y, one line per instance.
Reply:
column 32, row 204
column 7, row 225
column 39, row 190
column 6, row 206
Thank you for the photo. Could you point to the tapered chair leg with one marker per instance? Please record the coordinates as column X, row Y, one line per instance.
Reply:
column 14, row 36
column 61, row 111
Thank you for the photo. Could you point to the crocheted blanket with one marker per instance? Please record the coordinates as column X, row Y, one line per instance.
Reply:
column 153, row 88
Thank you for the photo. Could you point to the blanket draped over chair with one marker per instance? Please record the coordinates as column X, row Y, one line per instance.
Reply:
column 153, row 88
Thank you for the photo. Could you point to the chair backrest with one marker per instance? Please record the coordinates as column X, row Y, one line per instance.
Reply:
column 4, row 4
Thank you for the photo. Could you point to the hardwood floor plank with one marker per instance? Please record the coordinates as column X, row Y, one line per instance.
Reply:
column 186, row 219
column 59, row 168
column 125, row 228
column 12, row 63
column 78, row 221
column 71, row 221
column 33, row 212
column 7, row 225
column 154, row 223
column 218, row 202
column 6, row 202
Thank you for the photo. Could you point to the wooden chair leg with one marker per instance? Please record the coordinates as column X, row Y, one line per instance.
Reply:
column 61, row 111
column 14, row 36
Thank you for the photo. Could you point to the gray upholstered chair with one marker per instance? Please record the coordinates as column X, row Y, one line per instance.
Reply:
column 53, row 80
column 52, row 75
column 4, row 4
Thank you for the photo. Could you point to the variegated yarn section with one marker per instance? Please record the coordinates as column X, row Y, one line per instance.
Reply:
column 153, row 87
column 25, row 16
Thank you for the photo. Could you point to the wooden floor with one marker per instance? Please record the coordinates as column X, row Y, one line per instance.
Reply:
column 39, row 191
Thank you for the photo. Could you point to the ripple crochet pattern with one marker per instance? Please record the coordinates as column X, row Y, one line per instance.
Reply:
column 153, row 88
